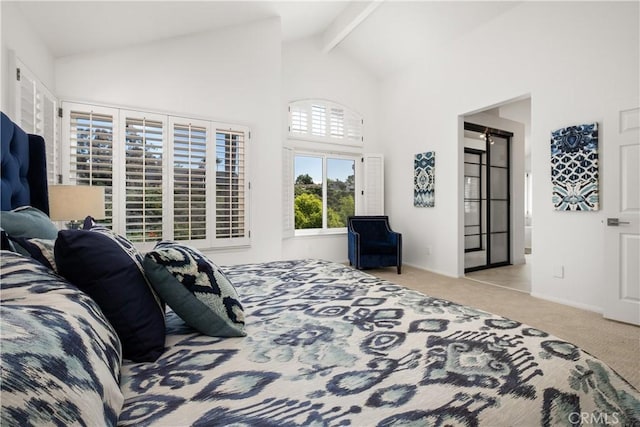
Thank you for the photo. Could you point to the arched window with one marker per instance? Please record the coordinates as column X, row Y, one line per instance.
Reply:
column 327, row 174
column 325, row 121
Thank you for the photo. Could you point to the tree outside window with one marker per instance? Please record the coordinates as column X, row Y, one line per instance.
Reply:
column 323, row 185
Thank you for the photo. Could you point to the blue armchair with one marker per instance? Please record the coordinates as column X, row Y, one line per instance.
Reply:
column 372, row 243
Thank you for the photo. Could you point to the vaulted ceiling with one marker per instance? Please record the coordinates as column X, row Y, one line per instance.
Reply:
column 382, row 35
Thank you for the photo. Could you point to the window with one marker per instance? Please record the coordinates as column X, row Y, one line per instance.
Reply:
column 90, row 153
column 325, row 121
column 230, row 185
column 326, row 176
column 190, row 181
column 35, row 111
column 143, row 159
column 324, row 191
column 165, row 177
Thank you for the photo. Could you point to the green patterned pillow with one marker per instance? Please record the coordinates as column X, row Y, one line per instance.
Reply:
column 196, row 289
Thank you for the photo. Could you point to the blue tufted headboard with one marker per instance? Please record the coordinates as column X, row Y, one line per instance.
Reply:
column 23, row 168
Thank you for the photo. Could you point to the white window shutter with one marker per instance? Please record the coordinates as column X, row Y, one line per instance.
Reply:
column 46, row 126
column 231, row 185
column 288, row 220
column 325, row 121
column 143, row 139
column 373, row 191
column 165, row 177
column 25, row 98
column 88, row 154
column 188, row 169
column 35, row 111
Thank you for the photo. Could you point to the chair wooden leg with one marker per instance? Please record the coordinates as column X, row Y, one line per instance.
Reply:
column 399, row 268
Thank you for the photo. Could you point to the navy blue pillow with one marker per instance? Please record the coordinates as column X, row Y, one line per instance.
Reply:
column 109, row 268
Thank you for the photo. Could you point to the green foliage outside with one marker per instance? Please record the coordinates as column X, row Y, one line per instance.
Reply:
column 308, row 202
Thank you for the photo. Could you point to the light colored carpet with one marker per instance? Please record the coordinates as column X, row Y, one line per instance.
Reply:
column 512, row 276
column 617, row 344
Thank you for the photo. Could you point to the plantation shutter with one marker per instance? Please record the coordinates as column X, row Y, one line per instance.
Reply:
column 26, row 98
column 189, row 177
column 89, row 152
column 36, row 109
column 165, row 177
column 373, row 192
column 325, row 121
column 318, row 120
column 231, row 185
column 298, row 119
column 288, row 219
column 144, row 162
column 46, row 127
column 336, row 123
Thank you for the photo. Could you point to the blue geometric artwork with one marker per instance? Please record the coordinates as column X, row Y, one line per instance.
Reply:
column 574, row 168
column 424, row 166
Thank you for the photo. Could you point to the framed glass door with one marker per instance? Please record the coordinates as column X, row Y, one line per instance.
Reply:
column 487, row 204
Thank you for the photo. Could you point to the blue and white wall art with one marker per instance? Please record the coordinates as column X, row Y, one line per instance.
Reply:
column 424, row 166
column 574, row 168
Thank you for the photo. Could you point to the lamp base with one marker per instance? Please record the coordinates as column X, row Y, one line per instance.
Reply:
column 74, row 225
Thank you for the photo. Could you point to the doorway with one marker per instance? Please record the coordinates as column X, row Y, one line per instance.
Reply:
column 487, row 197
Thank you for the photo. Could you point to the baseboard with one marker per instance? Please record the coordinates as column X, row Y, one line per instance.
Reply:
column 568, row 302
column 430, row 270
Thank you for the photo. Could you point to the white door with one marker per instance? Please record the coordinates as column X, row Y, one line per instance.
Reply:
column 622, row 225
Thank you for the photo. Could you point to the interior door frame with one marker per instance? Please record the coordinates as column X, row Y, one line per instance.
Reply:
column 488, row 131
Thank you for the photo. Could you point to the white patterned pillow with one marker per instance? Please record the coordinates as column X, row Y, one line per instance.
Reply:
column 196, row 289
column 39, row 249
column 61, row 358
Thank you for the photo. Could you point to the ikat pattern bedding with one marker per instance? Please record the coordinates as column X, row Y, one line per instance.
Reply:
column 61, row 358
column 327, row 345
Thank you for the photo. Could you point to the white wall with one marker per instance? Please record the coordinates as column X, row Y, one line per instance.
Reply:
column 233, row 75
column 579, row 63
column 307, row 72
column 240, row 74
column 19, row 38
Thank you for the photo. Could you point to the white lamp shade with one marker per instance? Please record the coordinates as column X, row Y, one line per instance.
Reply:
column 75, row 202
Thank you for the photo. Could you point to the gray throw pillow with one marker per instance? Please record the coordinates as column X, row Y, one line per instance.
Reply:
column 29, row 222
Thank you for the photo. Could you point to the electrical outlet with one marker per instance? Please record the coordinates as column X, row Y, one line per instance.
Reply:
column 428, row 250
column 558, row 271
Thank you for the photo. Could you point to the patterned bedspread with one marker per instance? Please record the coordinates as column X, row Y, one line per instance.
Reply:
column 328, row 345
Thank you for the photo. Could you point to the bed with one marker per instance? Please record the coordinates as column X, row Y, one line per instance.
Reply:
column 321, row 344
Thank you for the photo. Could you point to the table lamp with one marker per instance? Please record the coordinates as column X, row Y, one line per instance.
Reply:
column 73, row 203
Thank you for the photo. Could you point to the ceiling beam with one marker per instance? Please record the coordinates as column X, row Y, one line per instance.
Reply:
column 354, row 14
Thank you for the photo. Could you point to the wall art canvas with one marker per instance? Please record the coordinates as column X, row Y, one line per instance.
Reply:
column 574, row 168
column 424, row 166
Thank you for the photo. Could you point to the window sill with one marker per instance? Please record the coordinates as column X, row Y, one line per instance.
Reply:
column 320, row 233
column 204, row 247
